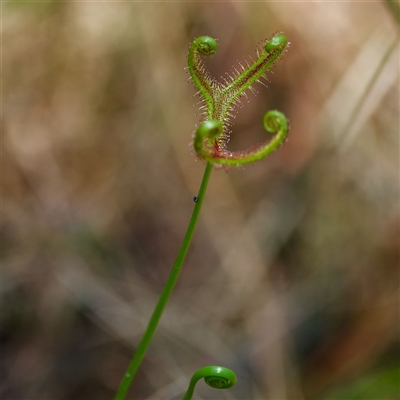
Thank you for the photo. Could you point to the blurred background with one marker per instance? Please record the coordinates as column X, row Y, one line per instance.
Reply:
column 292, row 279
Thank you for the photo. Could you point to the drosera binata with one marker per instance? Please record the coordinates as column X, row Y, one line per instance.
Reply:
column 218, row 105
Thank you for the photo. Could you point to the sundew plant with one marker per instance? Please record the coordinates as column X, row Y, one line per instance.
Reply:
column 219, row 101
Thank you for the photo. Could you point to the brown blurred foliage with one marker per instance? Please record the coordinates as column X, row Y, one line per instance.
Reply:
column 292, row 279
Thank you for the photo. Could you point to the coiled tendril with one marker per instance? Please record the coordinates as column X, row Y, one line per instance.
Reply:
column 214, row 376
column 219, row 102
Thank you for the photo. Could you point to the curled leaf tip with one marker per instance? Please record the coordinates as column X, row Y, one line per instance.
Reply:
column 211, row 129
column 206, row 45
column 220, row 378
column 278, row 42
column 274, row 121
column 215, row 377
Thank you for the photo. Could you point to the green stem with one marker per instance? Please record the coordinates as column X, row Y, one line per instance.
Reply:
column 166, row 293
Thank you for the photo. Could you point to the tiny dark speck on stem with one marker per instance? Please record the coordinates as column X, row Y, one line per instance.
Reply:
column 195, row 198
